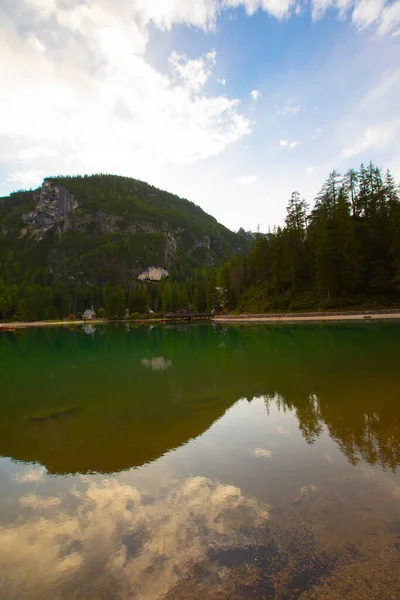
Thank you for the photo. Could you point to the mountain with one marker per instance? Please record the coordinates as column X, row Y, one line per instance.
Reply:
column 108, row 230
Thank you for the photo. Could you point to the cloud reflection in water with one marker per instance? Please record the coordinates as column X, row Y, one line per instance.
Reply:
column 116, row 538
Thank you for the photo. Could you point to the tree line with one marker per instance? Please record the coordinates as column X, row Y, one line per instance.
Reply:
column 44, row 296
column 343, row 252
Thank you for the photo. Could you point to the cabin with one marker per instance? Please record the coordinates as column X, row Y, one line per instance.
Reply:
column 89, row 314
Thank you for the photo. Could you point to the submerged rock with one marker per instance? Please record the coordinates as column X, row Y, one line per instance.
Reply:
column 52, row 415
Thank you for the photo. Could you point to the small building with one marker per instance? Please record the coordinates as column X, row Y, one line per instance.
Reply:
column 89, row 314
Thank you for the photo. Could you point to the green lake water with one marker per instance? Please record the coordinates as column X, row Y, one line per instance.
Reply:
column 205, row 462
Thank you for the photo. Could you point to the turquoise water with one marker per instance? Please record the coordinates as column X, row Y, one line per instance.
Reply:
column 200, row 462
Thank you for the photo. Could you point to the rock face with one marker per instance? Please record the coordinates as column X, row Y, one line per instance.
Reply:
column 153, row 274
column 53, row 207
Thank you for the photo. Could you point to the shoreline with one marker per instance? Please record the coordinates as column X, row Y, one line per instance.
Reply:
column 24, row 324
column 378, row 315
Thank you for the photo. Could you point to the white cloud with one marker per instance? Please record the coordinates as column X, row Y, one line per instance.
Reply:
column 363, row 13
column 344, row 6
column 373, row 138
column 246, row 179
column 96, row 104
column 25, row 179
column 193, row 73
column 289, row 144
column 390, row 19
column 222, row 81
column 277, row 8
column 374, row 123
column 289, row 109
column 367, row 12
column 319, row 8
column 255, row 94
column 201, row 13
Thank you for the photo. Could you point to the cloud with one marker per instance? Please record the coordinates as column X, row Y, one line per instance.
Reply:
column 200, row 13
column 246, row 179
column 390, row 20
column 288, row 144
column 283, row 431
column 256, row 95
column 193, row 73
column 319, row 8
column 31, row 476
column 383, row 125
column 262, row 453
column 222, row 81
column 25, row 179
column 363, row 13
column 289, row 110
column 95, row 102
column 367, row 12
column 277, row 8
column 114, row 537
column 373, row 138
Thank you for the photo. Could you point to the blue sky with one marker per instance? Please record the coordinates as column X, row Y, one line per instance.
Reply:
column 231, row 103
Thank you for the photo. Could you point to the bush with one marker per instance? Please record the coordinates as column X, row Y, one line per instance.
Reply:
column 101, row 313
column 71, row 318
column 79, row 316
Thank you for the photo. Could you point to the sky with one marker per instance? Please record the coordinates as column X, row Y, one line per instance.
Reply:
column 233, row 104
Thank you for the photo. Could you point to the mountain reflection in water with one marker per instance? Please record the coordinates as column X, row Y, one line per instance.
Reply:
column 111, row 402
column 202, row 462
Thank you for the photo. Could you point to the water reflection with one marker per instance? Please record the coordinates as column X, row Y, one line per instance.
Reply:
column 89, row 329
column 158, row 363
column 113, row 540
column 123, row 399
column 205, row 463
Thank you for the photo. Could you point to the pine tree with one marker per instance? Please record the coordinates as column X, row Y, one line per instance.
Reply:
column 351, row 185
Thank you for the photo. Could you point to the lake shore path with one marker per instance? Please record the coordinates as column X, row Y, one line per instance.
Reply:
column 338, row 316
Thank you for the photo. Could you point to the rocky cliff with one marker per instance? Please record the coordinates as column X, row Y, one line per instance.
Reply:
column 54, row 204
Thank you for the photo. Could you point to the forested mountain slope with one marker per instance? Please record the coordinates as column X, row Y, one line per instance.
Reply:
column 76, row 234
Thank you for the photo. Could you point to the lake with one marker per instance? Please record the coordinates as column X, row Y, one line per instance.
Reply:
column 206, row 461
